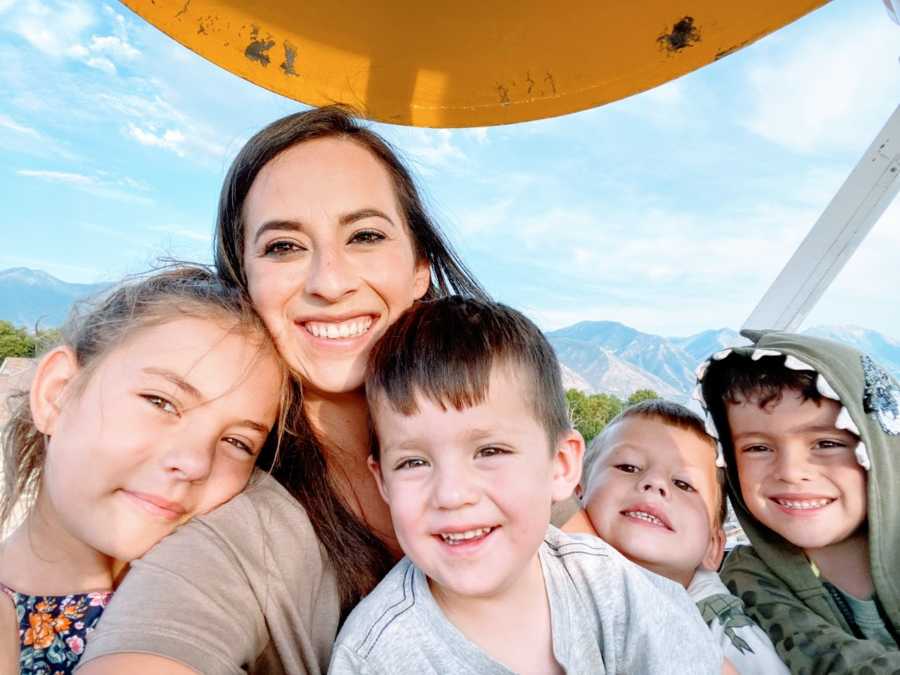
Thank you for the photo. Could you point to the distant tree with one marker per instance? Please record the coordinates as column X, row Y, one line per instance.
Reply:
column 641, row 395
column 15, row 341
column 45, row 339
column 592, row 412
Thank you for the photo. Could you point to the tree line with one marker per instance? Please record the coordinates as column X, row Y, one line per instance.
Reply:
column 592, row 412
column 17, row 341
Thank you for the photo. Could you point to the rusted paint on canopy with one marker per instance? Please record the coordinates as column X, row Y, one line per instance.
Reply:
column 465, row 63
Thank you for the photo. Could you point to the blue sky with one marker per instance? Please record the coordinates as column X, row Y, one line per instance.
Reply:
column 671, row 211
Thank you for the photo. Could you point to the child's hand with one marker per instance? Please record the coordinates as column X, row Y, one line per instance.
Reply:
column 728, row 668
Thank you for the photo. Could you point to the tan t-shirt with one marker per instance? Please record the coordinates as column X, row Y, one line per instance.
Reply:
column 247, row 588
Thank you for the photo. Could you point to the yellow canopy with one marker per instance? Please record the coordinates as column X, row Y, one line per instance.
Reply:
column 465, row 63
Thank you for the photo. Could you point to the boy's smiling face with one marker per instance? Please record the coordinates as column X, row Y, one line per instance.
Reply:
column 470, row 490
column 653, row 495
column 798, row 473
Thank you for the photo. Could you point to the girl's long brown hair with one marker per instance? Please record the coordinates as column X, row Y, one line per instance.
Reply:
column 360, row 558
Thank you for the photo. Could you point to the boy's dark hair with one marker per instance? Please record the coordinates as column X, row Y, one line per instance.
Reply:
column 669, row 413
column 738, row 378
column 446, row 349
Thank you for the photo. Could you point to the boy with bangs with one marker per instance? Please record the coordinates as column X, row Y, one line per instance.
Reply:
column 652, row 490
column 811, row 436
column 474, row 446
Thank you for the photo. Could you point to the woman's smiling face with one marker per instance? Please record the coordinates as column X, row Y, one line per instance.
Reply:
column 330, row 260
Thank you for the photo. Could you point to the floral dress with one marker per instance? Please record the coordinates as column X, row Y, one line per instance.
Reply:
column 53, row 629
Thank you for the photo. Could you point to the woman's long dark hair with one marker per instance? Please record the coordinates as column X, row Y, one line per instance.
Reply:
column 360, row 558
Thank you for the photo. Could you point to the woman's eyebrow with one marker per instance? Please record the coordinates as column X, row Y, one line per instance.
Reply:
column 281, row 225
column 361, row 214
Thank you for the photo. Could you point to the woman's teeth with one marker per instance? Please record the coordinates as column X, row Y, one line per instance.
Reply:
column 339, row 330
column 640, row 515
column 802, row 504
column 458, row 537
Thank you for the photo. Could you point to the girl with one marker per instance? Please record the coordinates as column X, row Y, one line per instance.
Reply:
column 154, row 409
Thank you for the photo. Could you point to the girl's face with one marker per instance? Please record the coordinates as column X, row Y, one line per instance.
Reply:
column 330, row 261
column 168, row 426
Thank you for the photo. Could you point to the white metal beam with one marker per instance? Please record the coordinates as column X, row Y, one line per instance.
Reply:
column 856, row 207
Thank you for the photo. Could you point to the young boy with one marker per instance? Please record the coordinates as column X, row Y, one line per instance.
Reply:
column 811, row 436
column 475, row 445
column 652, row 490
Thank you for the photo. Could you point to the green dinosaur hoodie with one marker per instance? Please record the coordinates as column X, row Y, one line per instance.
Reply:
column 811, row 628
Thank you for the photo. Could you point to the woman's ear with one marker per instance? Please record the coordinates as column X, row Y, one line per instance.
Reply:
column 54, row 373
column 715, row 551
column 422, row 279
column 567, row 464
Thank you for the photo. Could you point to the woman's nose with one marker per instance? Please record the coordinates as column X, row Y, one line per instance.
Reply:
column 331, row 275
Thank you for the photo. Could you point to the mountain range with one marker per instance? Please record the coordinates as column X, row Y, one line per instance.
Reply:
column 610, row 357
column 34, row 298
column 596, row 356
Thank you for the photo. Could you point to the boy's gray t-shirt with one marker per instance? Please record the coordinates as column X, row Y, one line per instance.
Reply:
column 247, row 588
column 607, row 615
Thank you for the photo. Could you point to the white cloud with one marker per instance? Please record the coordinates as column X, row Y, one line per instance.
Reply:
column 59, row 177
column 52, row 28
column 95, row 185
column 184, row 232
column 477, row 134
column 114, row 46
column 101, row 63
column 57, row 29
column 433, row 149
column 170, row 139
column 826, row 90
column 9, row 123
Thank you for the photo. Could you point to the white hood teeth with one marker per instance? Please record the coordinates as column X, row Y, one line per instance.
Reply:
column 804, row 504
column 457, row 537
column 336, row 330
column 642, row 515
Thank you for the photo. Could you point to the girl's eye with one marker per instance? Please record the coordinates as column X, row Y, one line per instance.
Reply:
column 491, row 451
column 682, row 485
column 282, row 247
column 627, row 468
column 240, row 445
column 159, row 402
column 756, row 448
column 367, row 237
column 411, row 463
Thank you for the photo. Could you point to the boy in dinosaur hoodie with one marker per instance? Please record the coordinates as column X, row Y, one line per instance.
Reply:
column 810, row 433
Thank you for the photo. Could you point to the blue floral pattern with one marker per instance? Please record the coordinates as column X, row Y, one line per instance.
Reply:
column 881, row 396
column 53, row 629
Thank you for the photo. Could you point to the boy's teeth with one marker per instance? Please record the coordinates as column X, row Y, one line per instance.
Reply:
column 456, row 537
column 801, row 504
column 338, row 330
column 640, row 515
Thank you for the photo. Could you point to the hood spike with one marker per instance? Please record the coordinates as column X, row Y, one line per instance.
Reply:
column 862, row 456
column 844, row 421
column 826, row 389
column 792, row 362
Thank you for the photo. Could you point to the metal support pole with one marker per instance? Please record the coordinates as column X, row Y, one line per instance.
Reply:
column 856, row 207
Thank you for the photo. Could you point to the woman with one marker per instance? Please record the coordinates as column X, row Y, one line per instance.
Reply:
column 322, row 226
